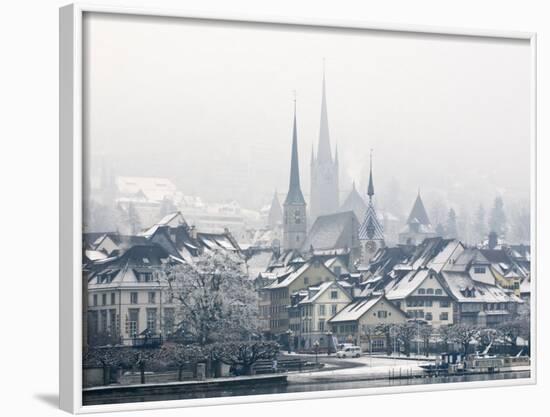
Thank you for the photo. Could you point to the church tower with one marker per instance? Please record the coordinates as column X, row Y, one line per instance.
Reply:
column 294, row 206
column 324, row 169
column 371, row 233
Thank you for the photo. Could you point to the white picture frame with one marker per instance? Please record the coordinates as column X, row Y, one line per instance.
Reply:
column 70, row 153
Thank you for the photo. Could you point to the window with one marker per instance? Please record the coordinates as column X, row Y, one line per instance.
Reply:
column 133, row 322
column 382, row 314
column 421, row 291
column 444, row 304
column 103, row 299
column 306, row 280
column 113, row 325
column 321, row 309
column 95, row 300
column 133, row 298
column 333, row 309
column 113, row 298
column 428, row 316
column 103, row 321
column 479, row 269
column 337, row 270
column 444, row 316
column 334, row 295
column 430, row 291
column 152, row 319
column 152, row 297
column 321, row 325
column 438, row 291
column 428, row 303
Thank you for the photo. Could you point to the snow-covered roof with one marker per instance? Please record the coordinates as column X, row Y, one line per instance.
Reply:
column 406, row 285
column 154, row 188
column 466, row 290
column 355, row 310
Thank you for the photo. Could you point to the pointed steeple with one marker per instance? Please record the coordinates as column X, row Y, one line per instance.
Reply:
column 370, row 190
column 275, row 216
column 418, row 213
column 294, row 195
column 324, row 153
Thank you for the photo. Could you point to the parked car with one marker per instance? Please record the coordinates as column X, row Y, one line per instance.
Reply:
column 349, row 352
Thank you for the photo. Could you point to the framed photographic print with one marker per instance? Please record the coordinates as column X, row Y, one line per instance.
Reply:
column 258, row 209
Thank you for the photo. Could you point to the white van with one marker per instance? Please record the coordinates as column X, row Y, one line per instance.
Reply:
column 349, row 352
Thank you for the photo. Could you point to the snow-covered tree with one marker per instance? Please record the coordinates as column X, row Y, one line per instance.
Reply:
column 464, row 335
column 181, row 355
column 497, row 219
column 521, row 224
column 406, row 333
column 217, row 300
column 244, row 354
column 480, row 225
column 451, row 227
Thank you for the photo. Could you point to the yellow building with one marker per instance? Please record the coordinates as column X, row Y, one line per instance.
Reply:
column 276, row 297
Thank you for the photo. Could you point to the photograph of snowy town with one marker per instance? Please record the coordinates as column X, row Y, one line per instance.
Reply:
column 283, row 209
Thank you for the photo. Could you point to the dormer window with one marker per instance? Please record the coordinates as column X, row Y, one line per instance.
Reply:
column 479, row 269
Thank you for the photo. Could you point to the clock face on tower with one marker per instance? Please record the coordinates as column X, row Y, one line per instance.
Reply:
column 370, row 246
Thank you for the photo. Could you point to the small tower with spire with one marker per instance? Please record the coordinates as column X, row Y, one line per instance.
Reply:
column 324, row 195
column 371, row 233
column 294, row 206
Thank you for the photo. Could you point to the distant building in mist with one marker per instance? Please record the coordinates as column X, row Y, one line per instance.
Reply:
column 324, row 170
column 418, row 225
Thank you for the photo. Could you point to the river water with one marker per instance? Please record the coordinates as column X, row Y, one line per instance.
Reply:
column 309, row 387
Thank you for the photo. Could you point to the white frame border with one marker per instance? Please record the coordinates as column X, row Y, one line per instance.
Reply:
column 70, row 205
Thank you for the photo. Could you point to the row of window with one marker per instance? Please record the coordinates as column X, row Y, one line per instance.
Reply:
column 430, row 291
column 411, row 302
column 419, row 314
column 107, row 321
column 134, row 298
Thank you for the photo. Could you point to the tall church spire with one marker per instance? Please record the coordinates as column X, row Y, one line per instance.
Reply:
column 294, row 191
column 324, row 153
column 295, row 220
column 370, row 190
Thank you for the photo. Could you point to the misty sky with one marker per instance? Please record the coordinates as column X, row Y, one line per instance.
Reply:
column 209, row 105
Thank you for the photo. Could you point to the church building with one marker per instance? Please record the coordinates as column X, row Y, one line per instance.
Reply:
column 294, row 206
column 324, row 170
column 371, row 234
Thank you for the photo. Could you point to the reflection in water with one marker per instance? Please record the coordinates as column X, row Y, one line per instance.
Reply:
column 280, row 389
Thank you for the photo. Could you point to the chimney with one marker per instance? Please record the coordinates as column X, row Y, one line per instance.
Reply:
column 193, row 232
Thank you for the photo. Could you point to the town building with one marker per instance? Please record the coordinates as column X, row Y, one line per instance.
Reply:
column 310, row 310
column 275, row 297
column 324, row 195
column 127, row 297
column 334, row 234
column 355, row 322
column 422, row 296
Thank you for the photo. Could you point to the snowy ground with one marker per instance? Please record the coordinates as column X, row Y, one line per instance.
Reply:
column 362, row 368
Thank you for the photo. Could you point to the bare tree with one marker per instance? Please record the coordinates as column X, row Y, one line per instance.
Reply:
column 386, row 330
column 182, row 355
column 464, row 335
column 244, row 354
column 406, row 333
